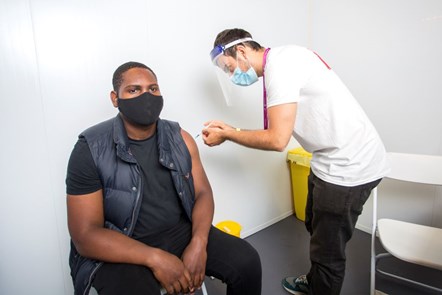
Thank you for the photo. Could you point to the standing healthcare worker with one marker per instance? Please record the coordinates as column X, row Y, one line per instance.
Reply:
column 304, row 96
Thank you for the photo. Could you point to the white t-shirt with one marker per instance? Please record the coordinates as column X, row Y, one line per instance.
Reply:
column 329, row 123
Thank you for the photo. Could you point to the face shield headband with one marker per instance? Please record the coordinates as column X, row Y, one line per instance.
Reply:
column 218, row 50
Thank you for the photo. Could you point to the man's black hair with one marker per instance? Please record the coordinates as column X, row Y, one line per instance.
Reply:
column 117, row 78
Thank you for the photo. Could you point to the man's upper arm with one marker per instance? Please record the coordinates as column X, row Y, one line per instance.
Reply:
column 84, row 213
column 84, row 193
column 200, row 179
column 282, row 121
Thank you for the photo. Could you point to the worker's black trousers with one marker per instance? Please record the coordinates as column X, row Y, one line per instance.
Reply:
column 331, row 215
column 230, row 259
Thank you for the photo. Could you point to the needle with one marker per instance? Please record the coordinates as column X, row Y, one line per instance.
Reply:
column 203, row 129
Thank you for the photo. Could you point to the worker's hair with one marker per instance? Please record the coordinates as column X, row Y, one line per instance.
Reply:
column 230, row 35
column 117, row 78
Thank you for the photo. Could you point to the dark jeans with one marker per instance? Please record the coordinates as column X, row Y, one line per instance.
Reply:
column 331, row 215
column 230, row 259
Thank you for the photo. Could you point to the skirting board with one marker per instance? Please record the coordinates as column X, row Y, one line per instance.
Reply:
column 287, row 214
column 364, row 228
column 256, row 229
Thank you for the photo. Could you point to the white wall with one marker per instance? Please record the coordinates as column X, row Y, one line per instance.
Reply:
column 57, row 59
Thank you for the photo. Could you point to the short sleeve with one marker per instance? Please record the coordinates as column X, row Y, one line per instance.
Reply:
column 82, row 175
column 287, row 71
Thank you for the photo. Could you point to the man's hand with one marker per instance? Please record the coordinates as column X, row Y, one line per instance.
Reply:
column 213, row 132
column 170, row 271
column 194, row 259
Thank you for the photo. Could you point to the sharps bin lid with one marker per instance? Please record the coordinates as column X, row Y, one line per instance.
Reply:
column 299, row 156
column 230, row 227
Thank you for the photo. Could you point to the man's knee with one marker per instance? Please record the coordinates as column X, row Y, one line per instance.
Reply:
column 252, row 259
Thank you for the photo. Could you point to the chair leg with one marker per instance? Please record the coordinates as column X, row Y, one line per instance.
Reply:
column 399, row 278
column 373, row 240
column 203, row 288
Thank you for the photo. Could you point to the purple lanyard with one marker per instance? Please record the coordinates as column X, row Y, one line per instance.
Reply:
column 264, row 102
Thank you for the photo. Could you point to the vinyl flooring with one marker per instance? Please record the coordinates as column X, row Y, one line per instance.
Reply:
column 283, row 248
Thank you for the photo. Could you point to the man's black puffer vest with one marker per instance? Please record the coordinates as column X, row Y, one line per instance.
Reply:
column 122, row 185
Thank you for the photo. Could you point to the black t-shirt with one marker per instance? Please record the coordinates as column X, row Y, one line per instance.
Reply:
column 160, row 205
column 82, row 175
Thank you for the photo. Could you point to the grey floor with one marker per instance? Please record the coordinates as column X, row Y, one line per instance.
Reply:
column 283, row 248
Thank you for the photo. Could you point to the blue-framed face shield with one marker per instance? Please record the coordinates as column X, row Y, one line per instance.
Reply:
column 216, row 52
column 219, row 50
column 231, row 92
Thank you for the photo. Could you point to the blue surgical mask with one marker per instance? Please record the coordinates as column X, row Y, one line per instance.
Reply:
column 244, row 78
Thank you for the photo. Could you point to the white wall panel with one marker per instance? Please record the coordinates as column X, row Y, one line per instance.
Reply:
column 388, row 53
column 31, row 260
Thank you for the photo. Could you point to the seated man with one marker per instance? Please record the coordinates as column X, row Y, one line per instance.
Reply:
column 140, row 206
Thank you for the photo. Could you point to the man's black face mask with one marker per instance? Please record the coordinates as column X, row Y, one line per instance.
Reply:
column 143, row 110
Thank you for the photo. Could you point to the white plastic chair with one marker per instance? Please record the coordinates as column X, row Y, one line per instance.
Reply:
column 203, row 290
column 409, row 242
column 162, row 291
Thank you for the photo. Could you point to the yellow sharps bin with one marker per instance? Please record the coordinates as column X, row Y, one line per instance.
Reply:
column 229, row 226
column 299, row 171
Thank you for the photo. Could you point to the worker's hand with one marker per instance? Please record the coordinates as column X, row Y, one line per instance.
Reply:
column 170, row 271
column 194, row 259
column 213, row 133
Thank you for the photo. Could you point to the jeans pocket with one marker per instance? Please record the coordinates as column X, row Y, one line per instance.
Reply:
column 330, row 198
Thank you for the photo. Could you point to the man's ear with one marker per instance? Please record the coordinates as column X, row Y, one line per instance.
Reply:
column 241, row 48
column 114, row 98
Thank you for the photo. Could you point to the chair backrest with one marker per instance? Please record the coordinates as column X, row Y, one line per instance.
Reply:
column 416, row 168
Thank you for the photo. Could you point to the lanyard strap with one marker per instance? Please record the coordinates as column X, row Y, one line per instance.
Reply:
column 264, row 101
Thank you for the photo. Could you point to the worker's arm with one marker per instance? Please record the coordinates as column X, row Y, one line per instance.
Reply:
column 195, row 255
column 92, row 240
column 275, row 138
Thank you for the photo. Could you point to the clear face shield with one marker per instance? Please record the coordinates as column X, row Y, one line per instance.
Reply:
column 232, row 82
